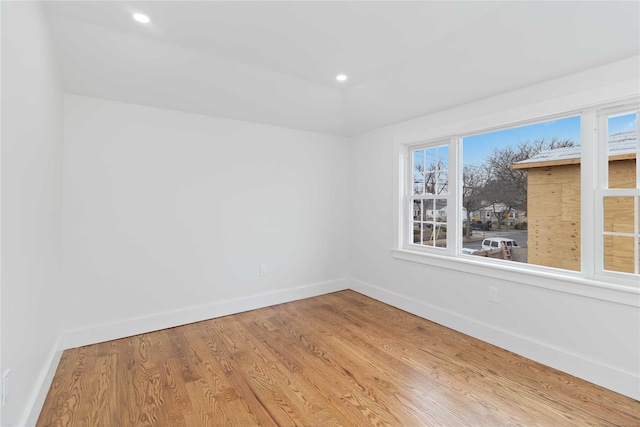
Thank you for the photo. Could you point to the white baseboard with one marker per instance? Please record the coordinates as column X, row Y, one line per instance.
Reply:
column 133, row 326
column 128, row 327
column 609, row 377
column 622, row 382
column 36, row 401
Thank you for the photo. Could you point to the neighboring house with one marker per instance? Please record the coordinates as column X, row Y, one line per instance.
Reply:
column 553, row 205
column 431, row 214
column 437, row 214
column 491, row 212
column 507, row 215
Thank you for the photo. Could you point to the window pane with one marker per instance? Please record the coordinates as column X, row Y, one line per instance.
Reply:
column 523, row 184
column 430, row 183
column 418, row 186
column 440, row 212
column 442, row 183
column 443, row 157
column 439, row 235
column 435, row 173
column 427, row 212
column 622, row 148
column 619, row 254
column 429, row 202
column 417, row 210
column 431, row 159
column 621, row 221
column 418, row 172
column 417, row 233
column 619, row 214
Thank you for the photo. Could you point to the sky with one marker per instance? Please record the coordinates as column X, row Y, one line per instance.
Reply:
column 622, row 123
column 477, row 147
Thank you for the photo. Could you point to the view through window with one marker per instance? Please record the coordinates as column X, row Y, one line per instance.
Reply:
column 521, row 191
column 621, row 221
column 430, row 195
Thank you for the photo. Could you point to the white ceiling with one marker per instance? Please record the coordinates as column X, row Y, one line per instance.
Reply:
column 276, row 62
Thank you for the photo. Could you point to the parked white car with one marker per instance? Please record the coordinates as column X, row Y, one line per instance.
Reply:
column 496, row 243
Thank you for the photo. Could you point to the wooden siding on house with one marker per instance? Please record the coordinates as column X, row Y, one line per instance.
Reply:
column 553, row 208
column 553, row 205
column 619, row 217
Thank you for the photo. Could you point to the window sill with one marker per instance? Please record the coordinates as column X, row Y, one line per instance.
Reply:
column 569, row 283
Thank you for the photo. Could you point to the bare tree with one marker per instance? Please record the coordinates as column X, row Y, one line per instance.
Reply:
column 509, row 186
column 433, row 177
column 474, row 180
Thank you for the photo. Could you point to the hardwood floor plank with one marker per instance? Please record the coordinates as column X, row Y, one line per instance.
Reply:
column 345, row 362
column 337, row 359
column 72, row 400
column 217, row 392
column 303, row 369
column 500, row 364
column 184, row 354
column 413, row 400
column 102, row 405
column 304, row 394
column 502, row 386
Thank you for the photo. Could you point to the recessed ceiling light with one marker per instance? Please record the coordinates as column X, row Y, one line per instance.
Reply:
column 141, row 17
column 341, row 77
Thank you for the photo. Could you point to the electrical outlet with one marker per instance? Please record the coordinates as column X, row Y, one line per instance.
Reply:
column 493, row 295
column 5, row 386
column 263, row 270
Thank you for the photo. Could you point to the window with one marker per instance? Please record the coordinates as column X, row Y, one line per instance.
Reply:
column 519, row 196
column 618, row 195
column 429, row 195
column 525, row 182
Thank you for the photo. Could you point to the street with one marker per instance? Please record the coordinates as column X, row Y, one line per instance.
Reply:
column 520, row 236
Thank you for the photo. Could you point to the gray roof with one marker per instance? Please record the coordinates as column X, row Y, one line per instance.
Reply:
column 619, row 143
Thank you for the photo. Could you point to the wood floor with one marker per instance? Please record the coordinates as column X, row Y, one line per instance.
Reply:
column 337, row 359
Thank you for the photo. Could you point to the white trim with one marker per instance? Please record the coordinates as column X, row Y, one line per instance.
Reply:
column 619, row 233
column 43, row 383
column 619, row 192
column 133, row 326
column 588, row 184
column 637, row 148
column 401, row 208
column 525, row 115
column 564, row 281
column 593, row 129
column 606, row 376
column 407, row 197
column 620, row 381
column 454, row 240
column 602, row 191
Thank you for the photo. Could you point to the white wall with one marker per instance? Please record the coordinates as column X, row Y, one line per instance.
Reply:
column 596, row 339
column 166, row 217
column 31, row 204
column 166, row 211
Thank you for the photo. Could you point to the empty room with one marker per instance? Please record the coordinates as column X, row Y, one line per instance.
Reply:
column 318, row 213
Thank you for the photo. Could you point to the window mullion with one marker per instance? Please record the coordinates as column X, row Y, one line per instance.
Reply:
column 637, row 150
column 610, row 188
column 454, row 200
column 601, row 185
column 440, row 190
column 636, row 226
column 588, row 204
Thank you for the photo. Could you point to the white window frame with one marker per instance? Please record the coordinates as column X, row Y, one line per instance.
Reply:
column 602, row 191
column 449, row 197
column 587, row 282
